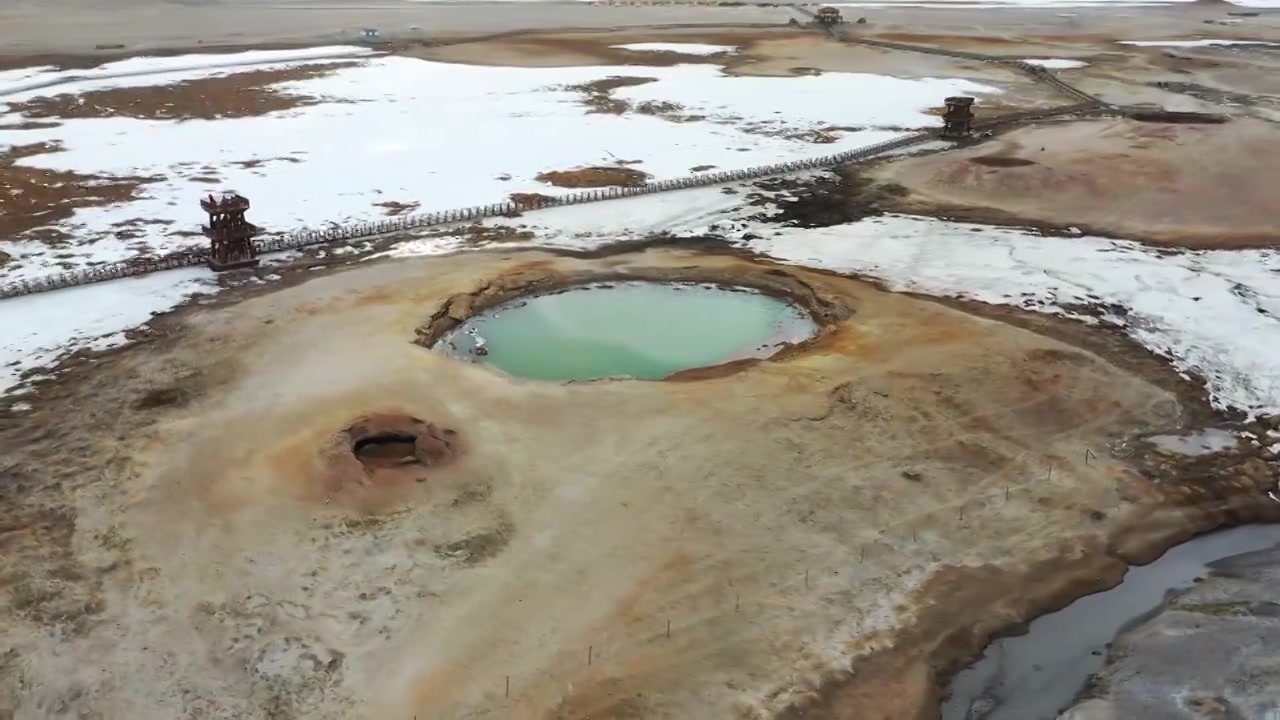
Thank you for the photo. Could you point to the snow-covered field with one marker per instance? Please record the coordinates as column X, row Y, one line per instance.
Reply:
column 1214, row 313
column 440, row 136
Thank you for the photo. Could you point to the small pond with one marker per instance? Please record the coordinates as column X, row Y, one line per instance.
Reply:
column 638, row 330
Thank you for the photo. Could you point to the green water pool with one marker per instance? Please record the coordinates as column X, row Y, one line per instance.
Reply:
column 639, row 330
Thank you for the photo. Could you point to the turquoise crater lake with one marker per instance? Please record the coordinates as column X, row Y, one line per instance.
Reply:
column 637, row 330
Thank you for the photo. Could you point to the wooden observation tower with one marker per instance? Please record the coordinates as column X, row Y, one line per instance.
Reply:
column 828, row 17
column 957, row 121
column 230, row 235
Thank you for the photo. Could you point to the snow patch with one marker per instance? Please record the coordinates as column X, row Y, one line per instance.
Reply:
column 1193, row 43
column 1056, row 63
column 38, row 329
column 682, row 48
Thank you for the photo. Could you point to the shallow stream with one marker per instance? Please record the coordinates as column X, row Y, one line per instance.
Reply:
column 639, row 330
column 1036, row 675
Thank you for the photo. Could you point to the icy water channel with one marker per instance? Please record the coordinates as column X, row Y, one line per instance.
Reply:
column 639, row 330
column 1036, row 675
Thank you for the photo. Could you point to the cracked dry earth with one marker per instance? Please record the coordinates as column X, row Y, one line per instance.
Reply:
column 180, row 542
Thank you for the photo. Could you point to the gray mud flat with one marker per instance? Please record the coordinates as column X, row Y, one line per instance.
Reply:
column 1213, row 652
column 1202, row 442
column 1184, row 650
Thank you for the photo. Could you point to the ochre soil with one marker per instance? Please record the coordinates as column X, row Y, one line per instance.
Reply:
column 1190, row 185
column 726, row 547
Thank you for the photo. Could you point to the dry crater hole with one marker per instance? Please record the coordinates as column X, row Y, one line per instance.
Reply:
column 388, row 441
column 389, row 448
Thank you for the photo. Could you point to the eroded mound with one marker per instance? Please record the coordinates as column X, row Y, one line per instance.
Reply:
column 380, row 441
column 372, row 465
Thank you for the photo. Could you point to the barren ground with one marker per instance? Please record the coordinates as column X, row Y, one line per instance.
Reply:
column 783, row 518
column 1195, row 185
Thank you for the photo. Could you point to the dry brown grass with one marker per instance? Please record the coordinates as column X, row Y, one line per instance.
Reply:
column 529, row 198
column 34, row 198
column 598, row 94
column 595, row 177
column 394, row 208
column 246, row 94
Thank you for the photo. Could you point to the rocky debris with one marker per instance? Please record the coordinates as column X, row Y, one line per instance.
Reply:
column 982, row 706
